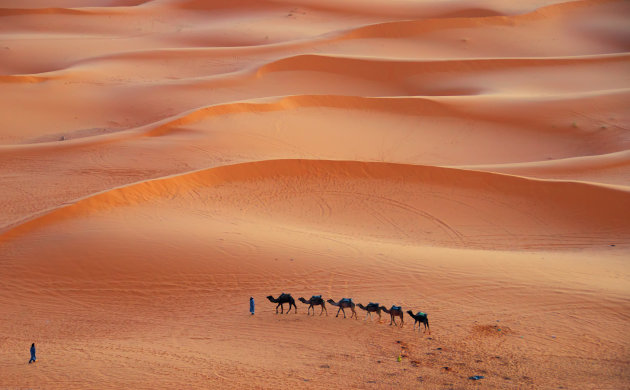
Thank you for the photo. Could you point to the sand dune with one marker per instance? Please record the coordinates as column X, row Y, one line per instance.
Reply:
column 337, row 195
column 607, row 168
column 162, row 161
column 305, row 75
column 292, row 127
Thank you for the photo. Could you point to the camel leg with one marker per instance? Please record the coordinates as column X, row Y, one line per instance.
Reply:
column 402, row 321
column 366, row 316
column 322, row 312
column 379, row 317
column 277, row 308
column 344, row 312
column 295, row 307
column 338, row 310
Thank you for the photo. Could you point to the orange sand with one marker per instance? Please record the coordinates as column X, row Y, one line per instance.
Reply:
column 162, row 161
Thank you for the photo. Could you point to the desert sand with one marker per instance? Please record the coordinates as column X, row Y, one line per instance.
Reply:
column 162, row 161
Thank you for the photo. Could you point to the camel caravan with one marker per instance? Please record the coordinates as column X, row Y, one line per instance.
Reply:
column 347, row 303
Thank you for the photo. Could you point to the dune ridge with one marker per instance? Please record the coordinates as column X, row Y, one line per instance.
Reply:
column 27, row 11
column 37, row 4
column 405, row 28
column 405, row 68
column 557, row 168
column 366, row 31
column 613, row 218
column 162, row 161
column 571, row 114
column 28, row 79
column 405, row 105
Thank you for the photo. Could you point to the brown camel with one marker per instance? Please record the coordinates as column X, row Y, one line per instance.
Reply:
column 371, row 308
column 395, row 311
column 422, row 318
column 315, row 300
column 344, row 303
column 282, row 299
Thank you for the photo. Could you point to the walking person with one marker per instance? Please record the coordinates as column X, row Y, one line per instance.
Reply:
column 33, row 358
column 251, row 305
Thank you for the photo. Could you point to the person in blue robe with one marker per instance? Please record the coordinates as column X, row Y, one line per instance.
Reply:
column 33, row 358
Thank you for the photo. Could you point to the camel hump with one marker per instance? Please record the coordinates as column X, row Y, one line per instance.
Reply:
column 346, row 299
column 372, row 304
column 285, row 295
column 421, row 314
column 316, row 297
column 396, row 307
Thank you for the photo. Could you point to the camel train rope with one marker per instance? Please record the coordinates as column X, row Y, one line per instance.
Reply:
column 348, row 303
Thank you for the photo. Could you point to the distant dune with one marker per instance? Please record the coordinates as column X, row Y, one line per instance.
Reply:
column 162, row 161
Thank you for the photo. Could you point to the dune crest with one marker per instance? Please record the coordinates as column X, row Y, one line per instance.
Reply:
column 343, row 183
column 162, row 161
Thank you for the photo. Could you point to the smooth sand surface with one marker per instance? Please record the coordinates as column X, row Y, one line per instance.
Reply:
column 162, row 161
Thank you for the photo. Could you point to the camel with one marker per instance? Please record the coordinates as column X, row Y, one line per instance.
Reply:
column 371, row 308
column 282, row 299
column 344, row 303
column 420, row 317
column 395, row 311
column 315, row 300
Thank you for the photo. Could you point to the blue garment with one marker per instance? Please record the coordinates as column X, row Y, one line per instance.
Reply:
column 33, row 358
column 251, row 305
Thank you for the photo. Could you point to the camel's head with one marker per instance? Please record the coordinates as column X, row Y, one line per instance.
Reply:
column 301, row 299
column 330, row 301
column 270, row 298
column 410, row 313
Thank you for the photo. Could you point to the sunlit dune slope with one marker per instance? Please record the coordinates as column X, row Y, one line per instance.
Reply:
column 415, row 204
column 162, row 161
column 484, row 133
